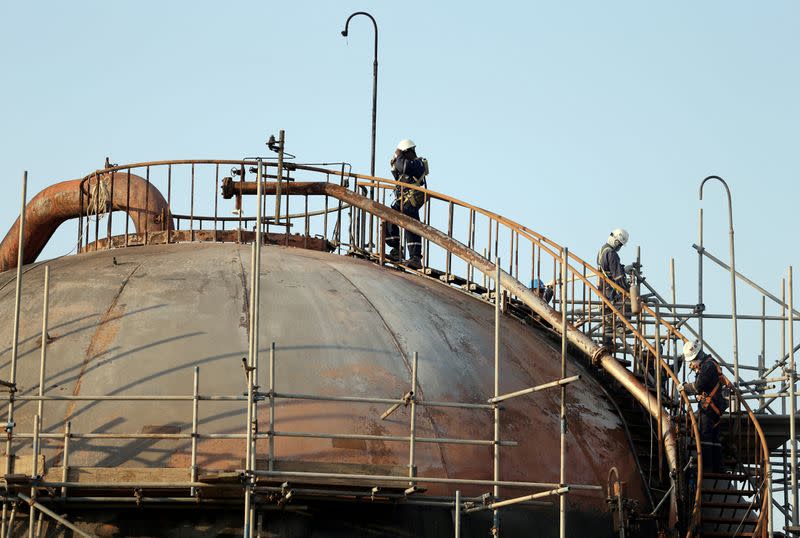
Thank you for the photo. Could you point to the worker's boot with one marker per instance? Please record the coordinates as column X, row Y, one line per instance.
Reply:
column 415, row 256
column 414, row 262
column 393, row 255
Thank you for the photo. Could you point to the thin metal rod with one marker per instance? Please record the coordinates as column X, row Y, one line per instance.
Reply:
column 537, row 388
column 792, row 404
column 733, row 274
column 457, row 517
column 562, row 501
column 412, row 470
column 498, row 299
column 65, row 458
column 360, row 399
column 743, row 278
column 34, row 475
column 700, row 274
column 55, row 516
column 423, row 479
column 559, row 491
column 43, row 351
column 195, row 402
column 271, row 406
column 279, row 178
column 657, row 367
column 11, row 521
column 12, row 378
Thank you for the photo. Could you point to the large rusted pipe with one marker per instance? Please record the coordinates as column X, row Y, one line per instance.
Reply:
column 598, row 354
column 60, row 202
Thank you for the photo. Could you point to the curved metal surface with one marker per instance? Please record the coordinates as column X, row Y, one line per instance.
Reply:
column 140, row 326
column 545, row 244
column 52, row 206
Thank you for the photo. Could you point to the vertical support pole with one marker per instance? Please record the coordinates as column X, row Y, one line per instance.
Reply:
column 15, row 337
column 670, row 340
column 255, row 296
column 272, row 407
column 763, row 356
column 457, row 517
column 279, row 178
column 195, row 402
column 65, row 458
column 792, row 404
column 657, row 367
column 34, row 475
column 43, row 352
column 412, row 467
column 498, row 299
column 562, row 476
column 735, row 317
column 700, row 253
column 485, row 280
column 783, row 389
column 770, row 513
column 191, row 205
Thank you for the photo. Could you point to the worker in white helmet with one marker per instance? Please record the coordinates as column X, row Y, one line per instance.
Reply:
column 609, row 263
column 612, row 269
column 412, row 170
column 708, row 390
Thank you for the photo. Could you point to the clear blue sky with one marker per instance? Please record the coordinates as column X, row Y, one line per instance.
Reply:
column 570, row 117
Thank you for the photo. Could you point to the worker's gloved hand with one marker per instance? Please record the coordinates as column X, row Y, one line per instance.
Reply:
column 635, row 267
column 681, row 388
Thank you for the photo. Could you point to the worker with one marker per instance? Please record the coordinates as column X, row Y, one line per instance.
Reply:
column 544, row 291
column 610, row 266
column 410, row 169
column 707, row 388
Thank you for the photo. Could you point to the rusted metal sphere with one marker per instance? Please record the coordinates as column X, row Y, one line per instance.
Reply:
column 137, row 321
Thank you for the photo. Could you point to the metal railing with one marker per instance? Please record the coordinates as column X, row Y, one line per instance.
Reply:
column 639, row 333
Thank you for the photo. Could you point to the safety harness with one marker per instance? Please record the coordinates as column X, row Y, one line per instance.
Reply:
column 600, row 256
column 413, row 196
column 706, row 400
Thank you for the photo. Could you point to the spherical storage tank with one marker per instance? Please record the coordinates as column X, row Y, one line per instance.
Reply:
column 138, row 321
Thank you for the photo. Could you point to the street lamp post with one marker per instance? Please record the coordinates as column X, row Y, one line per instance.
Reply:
column 374, row 104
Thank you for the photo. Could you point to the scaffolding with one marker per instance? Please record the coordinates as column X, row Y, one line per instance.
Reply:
column 635, row 341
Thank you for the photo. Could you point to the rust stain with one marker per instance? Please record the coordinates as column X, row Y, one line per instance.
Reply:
column 244, row 320
column 104, row 335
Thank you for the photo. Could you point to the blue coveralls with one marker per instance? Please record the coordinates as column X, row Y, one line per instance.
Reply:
column 405, row 170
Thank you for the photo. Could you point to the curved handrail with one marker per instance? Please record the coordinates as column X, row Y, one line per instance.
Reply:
column 553, row 249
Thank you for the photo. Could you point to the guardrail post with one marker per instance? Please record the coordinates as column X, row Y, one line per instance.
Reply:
column 498, row 290
column 562, row 499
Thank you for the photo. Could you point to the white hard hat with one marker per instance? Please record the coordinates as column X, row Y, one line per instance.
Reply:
column 691, row 350
column 406, row 144
column 618, row 235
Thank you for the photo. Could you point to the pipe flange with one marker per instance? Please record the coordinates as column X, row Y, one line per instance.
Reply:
column 598, row 355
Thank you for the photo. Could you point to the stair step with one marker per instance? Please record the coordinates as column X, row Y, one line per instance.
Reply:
column 727, row 476
column 430, row 271
column 730, row 505
column 452, row 279
column 728, row 520
column 477, row 288
column 721, row 491
column 727, row 533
